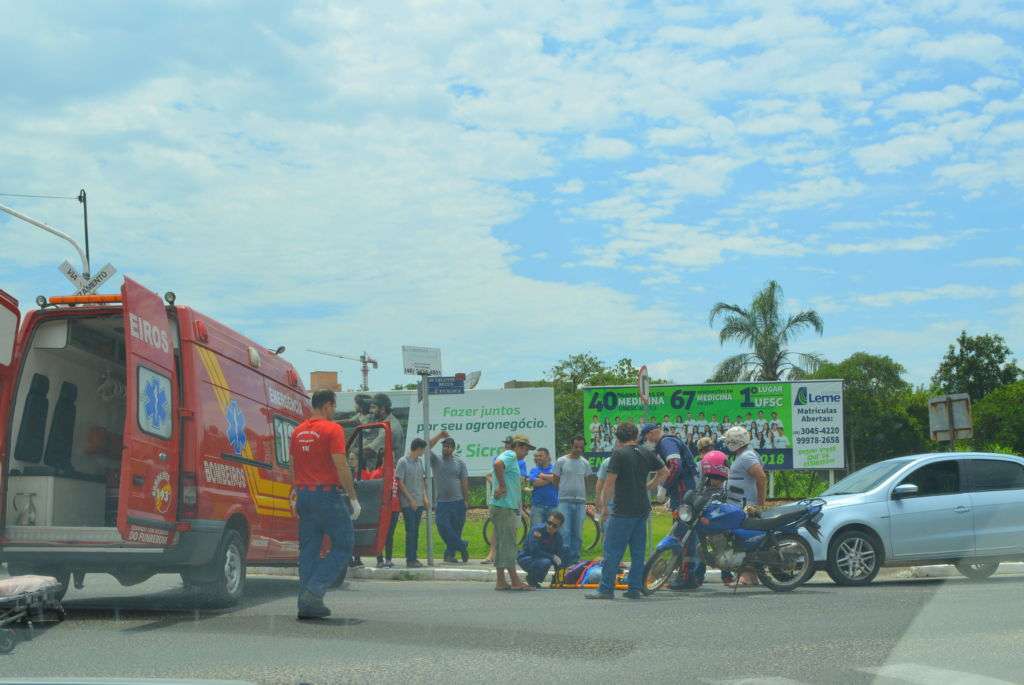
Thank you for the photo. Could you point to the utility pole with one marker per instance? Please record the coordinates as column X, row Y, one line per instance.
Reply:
column 85, row 220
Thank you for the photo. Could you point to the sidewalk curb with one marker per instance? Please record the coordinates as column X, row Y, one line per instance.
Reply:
column 480, row 574
column 487, row 574
column 948, row 571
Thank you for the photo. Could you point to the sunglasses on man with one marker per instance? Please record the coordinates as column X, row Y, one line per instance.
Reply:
column 554, row 525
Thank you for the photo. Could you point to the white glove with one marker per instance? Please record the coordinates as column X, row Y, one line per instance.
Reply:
column 662, row 494
column 557, row 559
column 356, row 509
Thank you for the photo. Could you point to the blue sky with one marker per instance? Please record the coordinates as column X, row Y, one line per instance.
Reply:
column 518, row 182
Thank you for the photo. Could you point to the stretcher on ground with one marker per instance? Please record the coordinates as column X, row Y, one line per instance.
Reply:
column 586, row 575
column 24, row 602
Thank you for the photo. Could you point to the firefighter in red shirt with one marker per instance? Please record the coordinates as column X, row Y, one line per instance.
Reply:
column 321, row 472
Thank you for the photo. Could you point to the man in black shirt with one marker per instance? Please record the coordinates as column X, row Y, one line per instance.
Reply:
column 627, row 479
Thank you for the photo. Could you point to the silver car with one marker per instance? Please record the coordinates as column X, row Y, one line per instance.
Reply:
column 959, row 508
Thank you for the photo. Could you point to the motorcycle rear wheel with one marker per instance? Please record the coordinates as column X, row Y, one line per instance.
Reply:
column 659, row 568
column 797, row 569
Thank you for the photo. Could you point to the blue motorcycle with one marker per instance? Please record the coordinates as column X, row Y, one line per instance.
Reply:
column 768, row 545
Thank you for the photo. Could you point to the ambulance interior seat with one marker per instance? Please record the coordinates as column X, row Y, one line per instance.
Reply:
column 62, row 429
column 32, row 430
column 369, row 494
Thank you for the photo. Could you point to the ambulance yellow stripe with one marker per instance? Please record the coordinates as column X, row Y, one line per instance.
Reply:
column 270, row 497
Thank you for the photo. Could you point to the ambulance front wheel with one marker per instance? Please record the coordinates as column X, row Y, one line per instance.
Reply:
column 228, row 570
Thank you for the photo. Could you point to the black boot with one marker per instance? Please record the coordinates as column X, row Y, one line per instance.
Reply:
column 311, row 606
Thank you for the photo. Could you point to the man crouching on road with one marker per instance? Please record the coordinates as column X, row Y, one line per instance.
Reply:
column 321, row 470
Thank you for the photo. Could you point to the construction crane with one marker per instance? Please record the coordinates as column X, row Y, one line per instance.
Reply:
column 366, row 360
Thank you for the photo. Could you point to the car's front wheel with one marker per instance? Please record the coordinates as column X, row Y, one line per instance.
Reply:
column 854, row 558
column 977, row 571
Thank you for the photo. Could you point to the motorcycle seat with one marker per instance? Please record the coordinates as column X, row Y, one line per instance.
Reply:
column 772, row 522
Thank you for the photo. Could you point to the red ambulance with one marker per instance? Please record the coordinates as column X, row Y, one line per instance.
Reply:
column 140, row 437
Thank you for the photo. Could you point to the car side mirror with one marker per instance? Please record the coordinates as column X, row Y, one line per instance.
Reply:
column 904, row 490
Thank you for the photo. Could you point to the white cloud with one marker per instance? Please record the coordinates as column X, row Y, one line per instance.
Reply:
column 774, row 117
column 946, row 292
column 993, row 262
column 595, row 147
column 808, row 193
column 571, row 187
column 987, row 83
column 930, row 101
column 917, row 142
column 983, row 48
column 915, row 244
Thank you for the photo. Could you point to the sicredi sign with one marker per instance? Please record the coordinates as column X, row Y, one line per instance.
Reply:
column 480, row 420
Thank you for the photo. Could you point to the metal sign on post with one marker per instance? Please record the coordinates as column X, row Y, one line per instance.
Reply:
column 446, row 385
column 643, row 385
column 949, row 418
column 425, row 362
column 86, row 286
column 421, row 361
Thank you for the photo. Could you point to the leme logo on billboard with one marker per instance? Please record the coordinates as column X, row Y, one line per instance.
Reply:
column 789, row 423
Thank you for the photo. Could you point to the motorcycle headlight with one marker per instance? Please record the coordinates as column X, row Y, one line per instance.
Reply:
column 685, row 513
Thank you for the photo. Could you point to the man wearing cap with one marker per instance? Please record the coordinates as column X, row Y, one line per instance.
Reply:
column 321, row 472
column 505, row 502
column 451, row 492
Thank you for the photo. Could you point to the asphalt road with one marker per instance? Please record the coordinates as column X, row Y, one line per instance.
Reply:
column 917, row 631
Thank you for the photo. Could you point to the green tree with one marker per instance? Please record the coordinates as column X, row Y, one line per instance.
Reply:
column 568, row 378
column 976, row 365
column 999, row 418
column 884, row 415
column 767, row 332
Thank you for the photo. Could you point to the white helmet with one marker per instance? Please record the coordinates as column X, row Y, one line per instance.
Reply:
column 736, row 438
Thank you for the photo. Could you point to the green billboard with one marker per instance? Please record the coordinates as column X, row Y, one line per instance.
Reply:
column 794, row 425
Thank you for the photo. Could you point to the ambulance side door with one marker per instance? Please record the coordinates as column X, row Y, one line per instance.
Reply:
column 148, row 497
column 10, row 320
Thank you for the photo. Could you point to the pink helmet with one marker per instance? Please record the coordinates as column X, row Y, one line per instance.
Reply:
column 713, row 465
column 714, row 457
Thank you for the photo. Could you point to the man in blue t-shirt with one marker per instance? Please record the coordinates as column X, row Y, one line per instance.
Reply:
column 545, row 492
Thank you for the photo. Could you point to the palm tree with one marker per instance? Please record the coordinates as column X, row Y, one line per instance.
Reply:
column 767, row 332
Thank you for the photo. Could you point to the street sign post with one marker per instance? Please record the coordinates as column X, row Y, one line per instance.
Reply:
column 86, row 286
column 949, row 418
column 643, row 386
column 425, row 362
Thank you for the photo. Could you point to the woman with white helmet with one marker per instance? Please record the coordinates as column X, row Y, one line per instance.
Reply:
column 747, row 481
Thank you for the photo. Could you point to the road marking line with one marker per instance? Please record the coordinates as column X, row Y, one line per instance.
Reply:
column 926, row 675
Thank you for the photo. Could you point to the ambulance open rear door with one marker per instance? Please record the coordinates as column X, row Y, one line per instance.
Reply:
column 147, row 496
column 374, row 494
column 10, row 320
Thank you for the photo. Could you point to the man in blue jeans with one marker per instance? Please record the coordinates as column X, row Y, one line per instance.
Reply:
column 451, row 492
column 570, row 475
column 321, row 472
column 627, row 483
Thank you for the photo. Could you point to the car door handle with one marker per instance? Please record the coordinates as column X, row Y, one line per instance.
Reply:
column 961, row 509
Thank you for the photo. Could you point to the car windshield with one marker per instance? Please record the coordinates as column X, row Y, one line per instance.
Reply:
column 867, row 478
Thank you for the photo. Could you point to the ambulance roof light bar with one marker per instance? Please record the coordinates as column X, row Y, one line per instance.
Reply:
column 78, row 299
column 54, row 231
